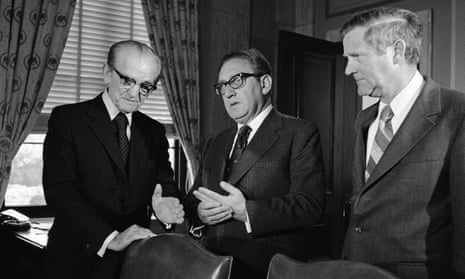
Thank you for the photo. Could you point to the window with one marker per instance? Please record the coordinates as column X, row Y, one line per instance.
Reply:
column 96, row 26
column 25, row 185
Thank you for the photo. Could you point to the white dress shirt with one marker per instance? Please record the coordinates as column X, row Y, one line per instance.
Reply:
column 400, row 105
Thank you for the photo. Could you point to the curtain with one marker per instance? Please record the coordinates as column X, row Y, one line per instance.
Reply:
column 172, row 28
column 32, row 38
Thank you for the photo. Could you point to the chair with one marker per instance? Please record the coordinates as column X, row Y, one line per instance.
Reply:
column 173, row 256
column 283, row 267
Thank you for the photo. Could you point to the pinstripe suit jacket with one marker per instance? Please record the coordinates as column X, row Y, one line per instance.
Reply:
column 409, row 217
column 281, row 175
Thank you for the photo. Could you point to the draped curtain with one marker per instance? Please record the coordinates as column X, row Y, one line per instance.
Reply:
column 32, row 38
column 172, row 28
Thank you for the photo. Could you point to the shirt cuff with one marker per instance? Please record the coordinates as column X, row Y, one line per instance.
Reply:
column 103, row 248
column 196, row 231
column 248, row 227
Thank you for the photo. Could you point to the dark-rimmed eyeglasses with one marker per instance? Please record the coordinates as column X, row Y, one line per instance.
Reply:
column 235, row 82
column 128, row 83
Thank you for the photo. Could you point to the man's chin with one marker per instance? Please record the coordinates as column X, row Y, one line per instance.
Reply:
column 128, row 109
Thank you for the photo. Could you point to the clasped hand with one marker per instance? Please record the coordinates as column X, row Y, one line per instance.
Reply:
column 167, row 209
column 215, row 208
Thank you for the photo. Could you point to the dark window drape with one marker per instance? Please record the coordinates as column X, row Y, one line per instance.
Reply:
column 32, row 38
column 172, row 27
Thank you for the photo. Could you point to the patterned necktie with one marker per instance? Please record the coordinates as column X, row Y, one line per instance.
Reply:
column 383, row 136
column 239, row 147
column 121, row 122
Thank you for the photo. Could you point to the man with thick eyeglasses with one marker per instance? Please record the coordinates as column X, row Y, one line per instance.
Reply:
column 261, row 182
column 106, row 170
column 128, row 83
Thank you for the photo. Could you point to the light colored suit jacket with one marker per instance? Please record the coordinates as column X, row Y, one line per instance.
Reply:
column 281, row 175
column 409, row 217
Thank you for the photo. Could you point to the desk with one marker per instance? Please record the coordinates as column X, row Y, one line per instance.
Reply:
column 37, row 235
column 21, row 253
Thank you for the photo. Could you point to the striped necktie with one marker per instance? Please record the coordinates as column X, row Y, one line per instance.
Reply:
column 383, row 136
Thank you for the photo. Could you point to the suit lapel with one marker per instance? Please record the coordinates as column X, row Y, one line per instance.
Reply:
column 363, row 124
column 138, row 149
column 218, row 157
column 418, row 122
column 100, row 124
column 264, row 139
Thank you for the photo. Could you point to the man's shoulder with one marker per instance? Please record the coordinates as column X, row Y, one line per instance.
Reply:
column 73, row 109
column 293, row 122
column 146, row 120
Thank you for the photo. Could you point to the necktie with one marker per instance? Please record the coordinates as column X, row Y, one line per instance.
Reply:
column 383, row 136
column 239, row 147
column 121, row 123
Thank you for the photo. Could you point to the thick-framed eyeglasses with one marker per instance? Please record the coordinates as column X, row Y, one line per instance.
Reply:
column 128, row 83
column 235, row 82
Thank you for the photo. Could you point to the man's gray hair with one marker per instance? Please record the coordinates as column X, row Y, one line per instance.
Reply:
column 387, row 25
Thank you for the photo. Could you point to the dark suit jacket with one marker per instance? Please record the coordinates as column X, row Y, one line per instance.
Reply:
column 281, row 175
column 89, row 190
column 410, row 215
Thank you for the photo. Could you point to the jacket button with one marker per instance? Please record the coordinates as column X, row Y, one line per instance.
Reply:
column 358, row 229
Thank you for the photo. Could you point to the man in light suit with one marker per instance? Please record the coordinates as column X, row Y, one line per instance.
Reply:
column 100, row 174
column 259, row 203
column 408, row 203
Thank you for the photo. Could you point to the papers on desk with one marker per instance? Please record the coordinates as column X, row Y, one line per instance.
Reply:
column 15, row 214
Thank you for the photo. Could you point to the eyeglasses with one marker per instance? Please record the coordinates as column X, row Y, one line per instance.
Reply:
column 128, row 83
column 235, row 82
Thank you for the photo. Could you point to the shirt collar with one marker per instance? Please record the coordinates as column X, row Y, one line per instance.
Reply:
column 406, row 96
column 255, row 123
column 112, row 109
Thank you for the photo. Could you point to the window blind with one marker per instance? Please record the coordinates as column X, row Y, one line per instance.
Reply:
column 96, row 26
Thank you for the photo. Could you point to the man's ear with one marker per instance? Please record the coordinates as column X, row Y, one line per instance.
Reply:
column 399, row 51
column 107, row 73
column 265, row 82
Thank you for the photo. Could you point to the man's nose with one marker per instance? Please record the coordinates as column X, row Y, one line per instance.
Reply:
column 349, row 68
column 228, row 91
column 134, row 91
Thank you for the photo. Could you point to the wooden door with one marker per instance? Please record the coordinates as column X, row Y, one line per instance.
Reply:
column 312, row 86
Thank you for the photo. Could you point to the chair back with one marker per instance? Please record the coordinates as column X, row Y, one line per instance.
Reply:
column 283, row 267
column 173, row 256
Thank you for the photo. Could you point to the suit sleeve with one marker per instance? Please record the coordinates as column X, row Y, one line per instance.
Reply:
column 303, row 205
column 457, row 194
column 62, row 184
column 165, row 172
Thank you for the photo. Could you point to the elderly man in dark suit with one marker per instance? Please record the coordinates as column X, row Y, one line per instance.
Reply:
column 260, row 183
column 102, row 160
column 408, row 203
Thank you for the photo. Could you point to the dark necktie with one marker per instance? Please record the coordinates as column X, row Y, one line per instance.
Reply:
column 121, row 123
column 241, row 143
column 383, row 137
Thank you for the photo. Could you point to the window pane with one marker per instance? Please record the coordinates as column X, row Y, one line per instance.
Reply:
column 25, row 185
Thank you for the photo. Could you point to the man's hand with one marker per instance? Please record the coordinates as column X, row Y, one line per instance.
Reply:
column 123, row 239
column 211, row 212
column 234, row 200
column 167, row 209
